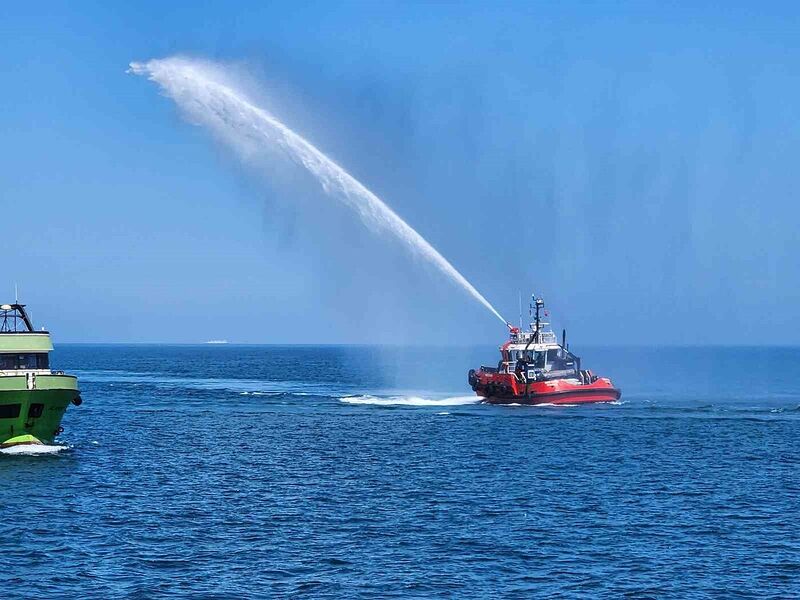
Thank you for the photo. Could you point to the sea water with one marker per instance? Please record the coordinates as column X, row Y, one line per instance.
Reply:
column 341, row 472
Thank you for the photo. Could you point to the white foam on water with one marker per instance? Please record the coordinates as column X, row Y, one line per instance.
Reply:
column 206, row 94
column 26, row 449
column 410, row 400
column 245, row 387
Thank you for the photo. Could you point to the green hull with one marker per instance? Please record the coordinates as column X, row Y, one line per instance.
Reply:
column 31, row 410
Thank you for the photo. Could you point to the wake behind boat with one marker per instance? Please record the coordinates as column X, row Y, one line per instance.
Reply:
column 535, row 369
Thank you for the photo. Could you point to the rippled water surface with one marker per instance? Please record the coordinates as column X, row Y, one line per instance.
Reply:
column 223, row 471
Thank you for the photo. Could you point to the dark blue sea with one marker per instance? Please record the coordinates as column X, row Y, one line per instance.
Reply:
column 364, row 472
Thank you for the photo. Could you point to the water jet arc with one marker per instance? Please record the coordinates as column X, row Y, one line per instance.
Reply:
column 205, row 93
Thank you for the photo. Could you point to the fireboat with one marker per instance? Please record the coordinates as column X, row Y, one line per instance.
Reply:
column 535, row 369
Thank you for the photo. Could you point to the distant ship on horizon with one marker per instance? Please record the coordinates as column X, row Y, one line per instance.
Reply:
column 217, row 342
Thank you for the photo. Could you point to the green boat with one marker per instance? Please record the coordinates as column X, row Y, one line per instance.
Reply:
column 32, row 397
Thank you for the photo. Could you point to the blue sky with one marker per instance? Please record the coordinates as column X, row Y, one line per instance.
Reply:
column 635, row 163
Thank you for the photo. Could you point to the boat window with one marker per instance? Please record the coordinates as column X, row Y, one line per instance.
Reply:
column 9, row 411
column 38, row 360
column 557, row 359
column 522, row 354
column 35, row 410
column 27, row 361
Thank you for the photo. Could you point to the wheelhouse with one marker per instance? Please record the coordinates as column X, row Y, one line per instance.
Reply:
column 539, row 348
column 22, row 349
column 554, row 358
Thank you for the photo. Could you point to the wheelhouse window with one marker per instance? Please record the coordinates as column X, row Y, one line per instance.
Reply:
column 27, row 361
column 559, row 359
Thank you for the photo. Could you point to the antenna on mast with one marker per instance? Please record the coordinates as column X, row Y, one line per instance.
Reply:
column 16, row 293
column 520, row 310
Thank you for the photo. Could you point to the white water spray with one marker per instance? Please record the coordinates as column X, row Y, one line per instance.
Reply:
column 204, row 92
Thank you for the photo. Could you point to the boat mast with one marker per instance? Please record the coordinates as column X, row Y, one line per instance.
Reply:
column 537, row 323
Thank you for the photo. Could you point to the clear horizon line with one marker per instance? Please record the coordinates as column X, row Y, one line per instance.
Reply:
column 424, row 345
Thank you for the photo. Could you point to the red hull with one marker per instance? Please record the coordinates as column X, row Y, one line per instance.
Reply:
column 577, row 397
column 505, row 389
